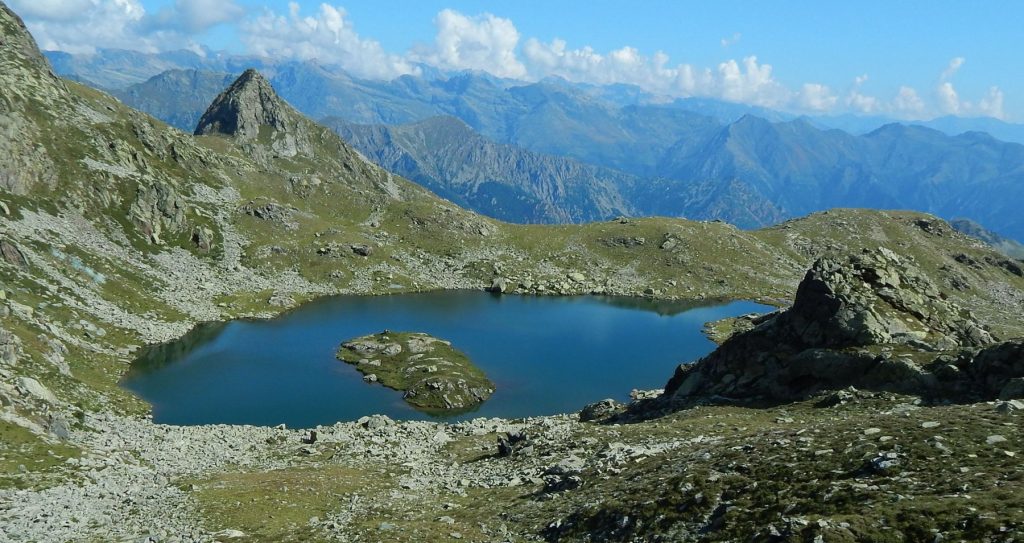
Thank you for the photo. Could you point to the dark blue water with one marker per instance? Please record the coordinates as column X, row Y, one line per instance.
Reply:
column 546, row 355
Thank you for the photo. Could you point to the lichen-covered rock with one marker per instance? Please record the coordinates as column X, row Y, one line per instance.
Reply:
column 600, row 410
column 871, row 321
column 158, row 209
column 432, row 374
column 13, row 255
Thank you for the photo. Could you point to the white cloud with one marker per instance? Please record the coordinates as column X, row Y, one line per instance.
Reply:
column 328, row 36
column 194, row 16
column 746, row 81
column 992, row 104
column 949, row 101
column 484, row 42
column 50, row 10
column 951, row 69
column 463, row 42
column 858, row 101
column 817, row 97
column 908, row 103
column 752, row 84
column 84, row 26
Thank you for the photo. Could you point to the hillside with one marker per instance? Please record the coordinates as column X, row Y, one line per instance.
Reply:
column 119, row 231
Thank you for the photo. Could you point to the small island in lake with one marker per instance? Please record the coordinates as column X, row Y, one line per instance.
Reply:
column 433, row 375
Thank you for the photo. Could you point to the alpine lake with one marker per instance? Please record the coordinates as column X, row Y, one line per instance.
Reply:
column 546, row 355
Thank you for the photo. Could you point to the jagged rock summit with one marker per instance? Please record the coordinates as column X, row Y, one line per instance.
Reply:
column 250, row 111
column 873, row 321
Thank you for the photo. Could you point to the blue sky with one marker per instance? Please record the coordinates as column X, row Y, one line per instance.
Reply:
column 899, row 59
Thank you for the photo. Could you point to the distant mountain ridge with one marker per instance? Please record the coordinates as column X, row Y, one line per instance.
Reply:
column 675, row 159
column 503, row 181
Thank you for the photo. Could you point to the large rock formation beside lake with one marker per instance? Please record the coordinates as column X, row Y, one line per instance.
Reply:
column 431, row 373
column 872, row 320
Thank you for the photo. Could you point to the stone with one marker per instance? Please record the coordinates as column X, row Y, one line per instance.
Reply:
column 513, row 443
column 279, row 299
column 58, row 427
column 12, row 254
column 158, row 209
column 600, row 410
column 34, row 389
column 498, row 286
column 995, row 439
column 1010, row 406
column 884, row 462
column 370, row 378
column 229, row 534
column 930, row 424
column 362, row 250
column 374, row 422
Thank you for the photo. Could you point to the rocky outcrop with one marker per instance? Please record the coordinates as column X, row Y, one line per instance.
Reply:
column 13, row 255
column 432, row 375
column 251, row 112
column 157, row 209
column 873, row 320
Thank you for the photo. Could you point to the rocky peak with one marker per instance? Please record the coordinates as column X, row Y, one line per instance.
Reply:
column 250, row 111
column 16, row 44
column 23, row 68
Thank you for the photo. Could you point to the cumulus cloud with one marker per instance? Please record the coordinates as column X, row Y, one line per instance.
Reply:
column 328, row 36
column 82, row 26
column 195, row 16
column 753, row 83
column 747, row 81
column 908, row 103
column 992, row 104
column 858, row 101
column 50, row 10
column 484, row 42
column 470, row 42
column 817, row 97
column 950, row 103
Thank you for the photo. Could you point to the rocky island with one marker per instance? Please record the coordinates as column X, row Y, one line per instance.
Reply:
column 433, row 375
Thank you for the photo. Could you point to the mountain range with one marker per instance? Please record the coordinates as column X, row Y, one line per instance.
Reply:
column 553, row 151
